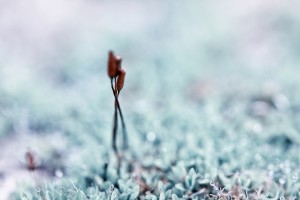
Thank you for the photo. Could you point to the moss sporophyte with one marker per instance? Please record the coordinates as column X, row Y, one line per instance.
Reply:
column 117, row 78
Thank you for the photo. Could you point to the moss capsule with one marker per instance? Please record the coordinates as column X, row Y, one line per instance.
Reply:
column 121, row 79
column 112, row 69
column 118, row 64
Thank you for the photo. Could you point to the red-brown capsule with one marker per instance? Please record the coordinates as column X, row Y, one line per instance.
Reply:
column 118, row 63
column 121, row 79
column 112, row 69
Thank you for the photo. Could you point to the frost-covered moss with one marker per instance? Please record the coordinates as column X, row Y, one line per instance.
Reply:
column 205, row 121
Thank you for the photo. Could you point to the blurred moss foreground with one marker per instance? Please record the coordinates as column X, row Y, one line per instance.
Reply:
column 211, row 100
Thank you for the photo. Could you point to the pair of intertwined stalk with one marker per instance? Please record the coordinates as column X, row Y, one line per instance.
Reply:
column 117, row 77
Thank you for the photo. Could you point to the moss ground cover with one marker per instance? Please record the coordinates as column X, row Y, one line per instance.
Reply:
column 211, row 108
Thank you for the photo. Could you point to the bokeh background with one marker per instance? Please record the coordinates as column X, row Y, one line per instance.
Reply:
column 211, row 78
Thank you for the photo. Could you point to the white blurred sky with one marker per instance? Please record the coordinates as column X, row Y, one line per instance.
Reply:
column 29, row 29
column 34, row 31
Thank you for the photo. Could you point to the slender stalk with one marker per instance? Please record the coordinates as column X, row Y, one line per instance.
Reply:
column 125, row 140
column 124, row 130
column 115, row 127
column 115, row 124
